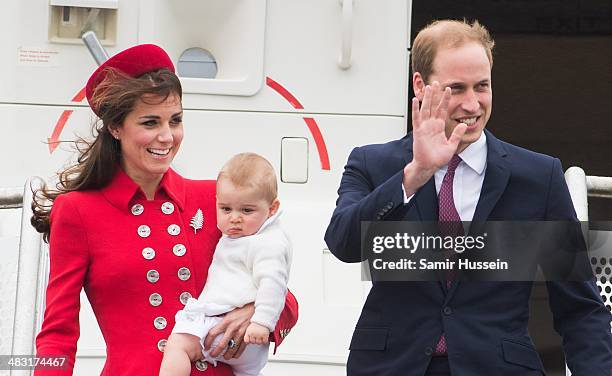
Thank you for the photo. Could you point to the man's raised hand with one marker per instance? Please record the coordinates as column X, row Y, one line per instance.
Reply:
column 431, row 148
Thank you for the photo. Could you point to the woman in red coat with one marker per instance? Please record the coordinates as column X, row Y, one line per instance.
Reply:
column 138, row 237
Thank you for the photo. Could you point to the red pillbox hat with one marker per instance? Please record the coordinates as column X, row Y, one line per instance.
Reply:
column 135, row 61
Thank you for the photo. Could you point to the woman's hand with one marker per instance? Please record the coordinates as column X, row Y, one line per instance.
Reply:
column 233, row 326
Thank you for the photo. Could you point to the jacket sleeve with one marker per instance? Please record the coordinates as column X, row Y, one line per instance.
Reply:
column 580, row 316
column 359, row 200
column 270, row 269
column 68, row 266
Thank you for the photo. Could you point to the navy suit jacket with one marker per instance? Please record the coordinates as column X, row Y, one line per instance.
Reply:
column 485, row 323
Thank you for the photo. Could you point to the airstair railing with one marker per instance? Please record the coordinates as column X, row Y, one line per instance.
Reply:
column 30, row 279
column 581, row 187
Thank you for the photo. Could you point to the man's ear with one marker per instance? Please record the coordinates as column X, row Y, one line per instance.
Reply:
column 273, row 207
column 418, row 85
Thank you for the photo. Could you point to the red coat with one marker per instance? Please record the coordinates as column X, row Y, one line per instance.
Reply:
column 126, row 252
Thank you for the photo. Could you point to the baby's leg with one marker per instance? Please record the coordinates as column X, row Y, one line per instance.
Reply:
column 179, row 352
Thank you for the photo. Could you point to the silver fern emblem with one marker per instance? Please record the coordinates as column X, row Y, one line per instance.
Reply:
column 197, row 221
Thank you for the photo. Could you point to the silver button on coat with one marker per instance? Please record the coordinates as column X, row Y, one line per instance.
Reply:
column 185, row 297
column 155, row 299
column 184, row 274
column 153, row 276
column 174, row 230
column 167, row 208
column 137, row 209
column 148, row 253
column 161, row 345
column 179, row 250
column 201, row 365
column 144, row 231
column 160, row 323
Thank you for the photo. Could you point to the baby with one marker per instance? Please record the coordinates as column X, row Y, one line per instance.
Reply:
column 251, row 264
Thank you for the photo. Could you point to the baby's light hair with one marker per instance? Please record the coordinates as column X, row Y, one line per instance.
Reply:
column 250, row 170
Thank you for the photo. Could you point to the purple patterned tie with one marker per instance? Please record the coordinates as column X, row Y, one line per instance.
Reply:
column 447, row 212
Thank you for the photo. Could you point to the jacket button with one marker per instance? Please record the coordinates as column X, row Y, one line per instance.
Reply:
column 148, row 253
column 144, row 231
column 184, row 274
column 153, row 276
column 174, row 230
column 167, row 208
column 160, row 323
column 447, row 311
column 184, row 297
column 155, row 299
column 428, row 351
column 201, row 365
column 179, row 250
column 161, row 345
column 137, row 209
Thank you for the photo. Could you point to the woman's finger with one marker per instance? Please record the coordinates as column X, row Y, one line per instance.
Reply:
column 224, row 343
column 213, row 333
column 241, row 349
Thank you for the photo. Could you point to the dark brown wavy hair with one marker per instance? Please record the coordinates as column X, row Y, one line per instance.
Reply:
column 115, row 97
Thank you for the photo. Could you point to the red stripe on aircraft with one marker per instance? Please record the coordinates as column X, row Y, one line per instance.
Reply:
column 310, row 122
column 319, row 141
column 284, row 93
column 53, row 141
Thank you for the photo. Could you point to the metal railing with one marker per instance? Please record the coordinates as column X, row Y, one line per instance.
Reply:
column 30, row 278
column 581, row 187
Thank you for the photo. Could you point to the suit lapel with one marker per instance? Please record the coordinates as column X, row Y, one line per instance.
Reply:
column 496, row 179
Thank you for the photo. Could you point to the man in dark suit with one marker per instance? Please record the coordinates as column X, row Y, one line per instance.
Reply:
column 450, row 169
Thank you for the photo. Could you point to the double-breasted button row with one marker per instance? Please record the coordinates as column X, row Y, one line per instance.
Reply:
column 144, row 231
column 155, row 299
column 166, row 208
column 148, row 253
column 183, row 274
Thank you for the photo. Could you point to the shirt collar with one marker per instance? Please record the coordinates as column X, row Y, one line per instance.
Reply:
column 475, row 154
column 122, row 189
column 265, row 225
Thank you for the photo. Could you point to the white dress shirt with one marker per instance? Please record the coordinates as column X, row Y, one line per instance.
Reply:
column 469, row 177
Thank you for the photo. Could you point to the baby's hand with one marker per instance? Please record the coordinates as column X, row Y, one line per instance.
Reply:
column 257, row 334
